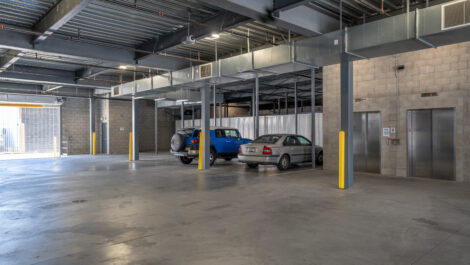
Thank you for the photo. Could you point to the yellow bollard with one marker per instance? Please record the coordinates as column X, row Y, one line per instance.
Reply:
column 130, row 146
column 94, row 143
column 55, row 146
column 341, row 159
column 201, row 147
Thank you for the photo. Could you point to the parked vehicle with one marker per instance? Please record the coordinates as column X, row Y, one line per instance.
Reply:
column 224, row 144
column 282, row 150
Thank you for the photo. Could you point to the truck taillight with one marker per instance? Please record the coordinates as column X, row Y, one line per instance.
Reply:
column 195, row 141
column 267, row 151
column 240, row 150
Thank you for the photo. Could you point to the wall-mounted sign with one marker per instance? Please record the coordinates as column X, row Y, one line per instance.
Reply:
column 121, row 129
column 392, row 130
column 386, row 132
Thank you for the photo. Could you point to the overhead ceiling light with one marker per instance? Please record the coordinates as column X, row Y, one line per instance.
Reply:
column 214, row 36
column 138, row 97
column 181, row 100
column 159, row 99
column 122, row 67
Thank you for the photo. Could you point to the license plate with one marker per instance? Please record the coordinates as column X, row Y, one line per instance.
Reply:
column 251, row 149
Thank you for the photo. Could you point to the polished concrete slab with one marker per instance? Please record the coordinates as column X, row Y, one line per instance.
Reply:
column 107, row 210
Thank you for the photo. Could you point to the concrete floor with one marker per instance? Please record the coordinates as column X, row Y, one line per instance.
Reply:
column 106, row 210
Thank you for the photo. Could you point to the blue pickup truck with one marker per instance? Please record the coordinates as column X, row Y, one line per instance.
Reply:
column 224, row 144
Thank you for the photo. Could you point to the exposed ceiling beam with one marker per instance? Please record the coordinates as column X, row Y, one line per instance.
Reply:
column 288, row 14
column 9, row 59
column 41, row 76
column 60, row 14
column 15, row 40
column 216, row 24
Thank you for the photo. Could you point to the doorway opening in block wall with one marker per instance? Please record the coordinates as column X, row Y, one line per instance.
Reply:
column 29, row 131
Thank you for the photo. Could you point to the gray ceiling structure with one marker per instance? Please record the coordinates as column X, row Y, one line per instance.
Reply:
column 79, row 47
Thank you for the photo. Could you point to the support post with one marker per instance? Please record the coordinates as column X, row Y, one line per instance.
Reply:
column 312, row 98
column 92, row 122
column 256, row 107
column 156, row 127
column 205, row 129
column 192, row 115
column 135, row 129
column 182, row 115
column 287, row 104
column 215, row 107
column 220, row 113
column 295, row 106
column 346, row 106
column 279, row 106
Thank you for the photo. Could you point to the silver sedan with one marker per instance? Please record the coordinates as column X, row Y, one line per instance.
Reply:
column 282, row 150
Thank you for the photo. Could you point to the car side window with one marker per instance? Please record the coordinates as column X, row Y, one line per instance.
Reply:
column 303, row 140
column 290, row 140
column 219, row 134
column 231, row 134
column 196, row 134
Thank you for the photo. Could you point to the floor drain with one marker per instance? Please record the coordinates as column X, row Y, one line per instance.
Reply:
column 79, row 201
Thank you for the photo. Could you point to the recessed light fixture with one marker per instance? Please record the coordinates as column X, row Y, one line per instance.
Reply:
column 181, row 100
column 159, row 99
column 122, row 67
column 138, row 97
column 214, row 36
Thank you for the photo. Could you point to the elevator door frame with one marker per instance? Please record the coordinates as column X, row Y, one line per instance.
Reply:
column 408, row 142
column 367, row 142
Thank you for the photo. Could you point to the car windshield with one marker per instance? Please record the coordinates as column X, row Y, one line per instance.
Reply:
column 267, row 139
column 185, row 132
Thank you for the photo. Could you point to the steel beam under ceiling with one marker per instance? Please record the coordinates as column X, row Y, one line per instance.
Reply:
column 289, row 14
column 20, row 39
column 60, row 14
column 216, row 24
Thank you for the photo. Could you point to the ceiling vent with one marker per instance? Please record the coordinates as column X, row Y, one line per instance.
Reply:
column 456, row 14
column 205, row 71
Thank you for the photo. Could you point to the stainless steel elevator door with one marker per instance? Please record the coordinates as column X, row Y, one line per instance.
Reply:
column 431, row 152
column 367, row 141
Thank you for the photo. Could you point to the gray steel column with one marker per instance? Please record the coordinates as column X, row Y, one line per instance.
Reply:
column 295, row 106
column 215, row 108
column 279, row 106
column 135, row 129
column 287, row 104
column 205, row 127
column 92, row 122
column 192, row 115
column 182, row 115
column 346, row 105
column 156, row 127
column 256, row 107
column 220, row 114
column 312, row 98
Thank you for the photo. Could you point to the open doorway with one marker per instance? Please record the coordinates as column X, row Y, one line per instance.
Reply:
column 29, row 131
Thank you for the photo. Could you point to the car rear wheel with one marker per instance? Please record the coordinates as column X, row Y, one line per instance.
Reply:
column 284, row 163
column 186, row 160
column 319, row 159
column 252, row 165
column 212, row 156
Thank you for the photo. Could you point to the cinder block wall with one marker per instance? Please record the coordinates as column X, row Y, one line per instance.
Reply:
column 445, row 70
column 76, row 125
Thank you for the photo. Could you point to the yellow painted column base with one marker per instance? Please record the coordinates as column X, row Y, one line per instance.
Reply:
column 341, row 159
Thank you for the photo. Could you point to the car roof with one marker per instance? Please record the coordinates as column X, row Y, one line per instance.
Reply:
column 211, row 128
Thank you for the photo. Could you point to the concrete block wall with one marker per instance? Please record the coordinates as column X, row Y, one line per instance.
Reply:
column 445, row 70
column 75, row 125
column 120, row 125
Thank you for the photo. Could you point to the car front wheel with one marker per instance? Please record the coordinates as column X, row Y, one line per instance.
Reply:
column 284, row 163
